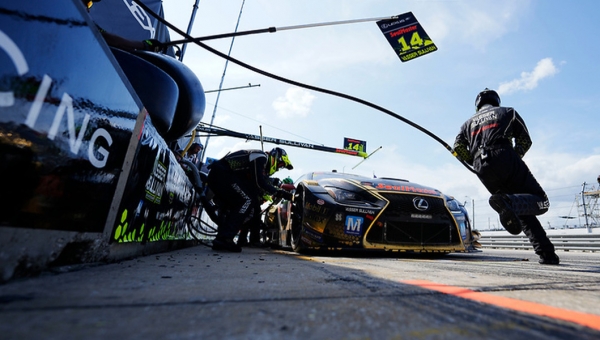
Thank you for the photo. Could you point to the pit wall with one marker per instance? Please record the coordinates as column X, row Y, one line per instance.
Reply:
column 84, row 175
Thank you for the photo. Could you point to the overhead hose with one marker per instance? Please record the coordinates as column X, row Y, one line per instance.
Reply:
column 306, row 86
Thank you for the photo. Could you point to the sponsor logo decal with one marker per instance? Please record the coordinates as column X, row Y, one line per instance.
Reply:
column 406, row 188
column 353, row 225
column 420, row 204
column 361, row 211
column 316, row 208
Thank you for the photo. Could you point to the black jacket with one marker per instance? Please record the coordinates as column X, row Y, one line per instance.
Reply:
column 492, row 127
column 250, row 165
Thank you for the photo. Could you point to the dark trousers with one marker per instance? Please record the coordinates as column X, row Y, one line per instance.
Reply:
column 253, row 227
column 502, row 171
column 234, row 195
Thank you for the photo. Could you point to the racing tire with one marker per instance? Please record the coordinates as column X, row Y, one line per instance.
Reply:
column 297, row 222
column 273, row 231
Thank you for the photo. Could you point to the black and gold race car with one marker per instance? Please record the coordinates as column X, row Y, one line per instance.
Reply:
column 334, row 210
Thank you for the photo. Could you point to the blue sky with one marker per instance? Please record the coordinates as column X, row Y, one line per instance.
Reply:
column 541, row 56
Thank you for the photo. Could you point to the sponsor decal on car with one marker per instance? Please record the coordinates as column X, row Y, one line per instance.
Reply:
column 353, row 225
column 311, row 237
column 314, row 217
column 406, row 188
column 315, row 208
column 362, row 211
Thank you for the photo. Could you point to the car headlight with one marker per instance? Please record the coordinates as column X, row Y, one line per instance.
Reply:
column 344, row 196
column 453, row 205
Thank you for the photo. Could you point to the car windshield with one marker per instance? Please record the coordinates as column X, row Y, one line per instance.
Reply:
column 321, row 175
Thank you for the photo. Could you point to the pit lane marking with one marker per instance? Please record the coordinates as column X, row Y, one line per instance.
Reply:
column 584, row 319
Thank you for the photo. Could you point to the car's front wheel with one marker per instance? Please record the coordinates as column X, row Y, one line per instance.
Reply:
column 297, row 221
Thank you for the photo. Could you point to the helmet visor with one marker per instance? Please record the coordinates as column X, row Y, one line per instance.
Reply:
column 284, row 162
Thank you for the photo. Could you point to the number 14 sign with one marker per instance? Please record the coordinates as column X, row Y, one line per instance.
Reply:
column 355, row 144
column 406, row 36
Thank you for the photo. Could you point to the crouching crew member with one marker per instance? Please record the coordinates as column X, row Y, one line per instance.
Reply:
column 238, row 180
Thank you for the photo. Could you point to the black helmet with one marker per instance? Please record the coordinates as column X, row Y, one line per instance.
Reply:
column 278, row 159
column 487, row 96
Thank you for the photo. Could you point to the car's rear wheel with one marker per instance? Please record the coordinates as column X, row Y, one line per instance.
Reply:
column 297, row 221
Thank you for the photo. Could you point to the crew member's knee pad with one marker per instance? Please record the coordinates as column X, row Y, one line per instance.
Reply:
column 528, row 204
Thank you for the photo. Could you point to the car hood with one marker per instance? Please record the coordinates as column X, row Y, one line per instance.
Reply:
column 395, row 185
column 381, row 184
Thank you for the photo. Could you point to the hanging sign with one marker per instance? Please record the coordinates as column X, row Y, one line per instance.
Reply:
column 407, row 37
column 355, row 144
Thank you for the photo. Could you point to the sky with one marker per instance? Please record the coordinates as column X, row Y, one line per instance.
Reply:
column 540, row 55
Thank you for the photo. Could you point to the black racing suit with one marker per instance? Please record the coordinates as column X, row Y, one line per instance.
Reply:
column 485, row 141
column 238, row 180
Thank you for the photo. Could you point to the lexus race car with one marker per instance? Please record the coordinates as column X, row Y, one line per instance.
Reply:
column 334, row 210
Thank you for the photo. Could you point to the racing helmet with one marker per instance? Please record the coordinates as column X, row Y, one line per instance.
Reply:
column 487, row 96
column 278, row 159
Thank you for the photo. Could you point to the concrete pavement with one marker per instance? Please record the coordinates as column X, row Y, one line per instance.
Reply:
column 196, row 293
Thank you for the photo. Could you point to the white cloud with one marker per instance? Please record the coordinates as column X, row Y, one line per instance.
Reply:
column 221, row 120
column 296, row 103
column 476, row 24
column 529, row 80
column 557, row 169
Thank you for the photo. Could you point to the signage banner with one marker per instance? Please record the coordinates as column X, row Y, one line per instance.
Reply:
column 355, row 144
column 407, row 37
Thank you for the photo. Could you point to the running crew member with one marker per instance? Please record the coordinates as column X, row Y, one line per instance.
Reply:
column 238, row 180
column 493, row 141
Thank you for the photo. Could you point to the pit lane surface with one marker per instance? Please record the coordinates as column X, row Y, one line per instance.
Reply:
column 196, row 293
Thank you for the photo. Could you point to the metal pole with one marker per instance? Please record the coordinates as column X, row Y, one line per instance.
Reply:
column 331, row 23
column 262, row 142
column 221, row 84
column 584, row 208
column 222, row 132
column 473, row 218
column 232, row 88
column 274, row 29
column 189, row 29
column 359, row 163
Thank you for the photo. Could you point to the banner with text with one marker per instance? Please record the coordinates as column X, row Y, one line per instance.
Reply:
column 407, row 37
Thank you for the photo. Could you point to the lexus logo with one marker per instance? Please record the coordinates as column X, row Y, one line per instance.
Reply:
column 420, row 204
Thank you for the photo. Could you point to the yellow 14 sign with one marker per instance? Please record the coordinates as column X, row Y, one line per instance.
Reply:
column 355, row 144
column 406, row 36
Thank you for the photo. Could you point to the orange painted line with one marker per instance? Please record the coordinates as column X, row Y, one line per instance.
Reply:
column 588, row 320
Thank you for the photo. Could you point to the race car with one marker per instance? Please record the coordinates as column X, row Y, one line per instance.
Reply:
column 333, row 210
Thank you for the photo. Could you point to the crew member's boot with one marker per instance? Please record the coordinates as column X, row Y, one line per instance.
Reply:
column 549, row 258
column 509, row 219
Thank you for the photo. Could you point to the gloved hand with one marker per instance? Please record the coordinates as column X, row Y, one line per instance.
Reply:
column 520, row 151
column 286, row 195
column 267, row 198
column 153, row 45
column 276, row 182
